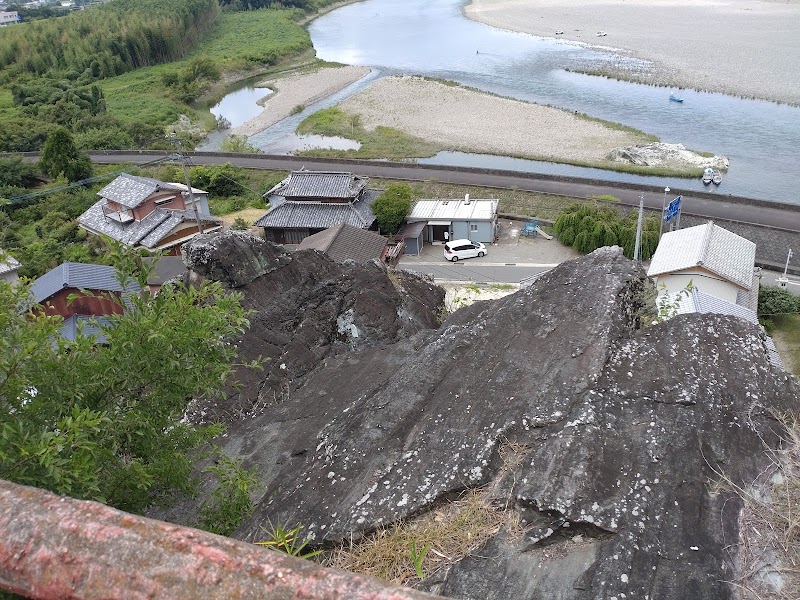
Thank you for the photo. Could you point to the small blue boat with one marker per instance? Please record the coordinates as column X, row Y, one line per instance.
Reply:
column 674, row 98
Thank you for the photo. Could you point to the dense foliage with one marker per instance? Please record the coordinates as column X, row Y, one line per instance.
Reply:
column 586, row 228
column 392, row 207
column 118, row 36
column 776, row 302
column 60, row 157
column 104, row 421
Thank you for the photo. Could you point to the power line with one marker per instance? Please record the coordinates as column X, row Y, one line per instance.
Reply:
column 82, row 182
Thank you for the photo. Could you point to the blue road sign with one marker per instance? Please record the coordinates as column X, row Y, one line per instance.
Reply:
column 672, row 209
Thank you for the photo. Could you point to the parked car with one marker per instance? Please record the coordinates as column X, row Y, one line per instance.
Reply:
column 456, row 249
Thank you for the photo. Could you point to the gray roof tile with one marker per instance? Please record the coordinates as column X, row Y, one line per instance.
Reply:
column 80, row 276
column 708, row 246
column 8, row 263
column 316, row 215
column 345, row 242
column 131, row 190
column 321, row 184
column 148, row 232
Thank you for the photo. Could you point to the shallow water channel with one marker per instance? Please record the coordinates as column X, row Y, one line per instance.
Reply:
column 433, row 38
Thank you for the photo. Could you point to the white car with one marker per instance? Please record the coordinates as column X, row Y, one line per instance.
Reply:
column 456, row 249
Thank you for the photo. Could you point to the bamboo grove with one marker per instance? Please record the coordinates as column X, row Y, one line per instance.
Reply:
column 108, row 40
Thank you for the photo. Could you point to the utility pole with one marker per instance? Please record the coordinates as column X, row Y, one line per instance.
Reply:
column 638, row 246
column 784, row 280
column 175, row 140
column 663, row 209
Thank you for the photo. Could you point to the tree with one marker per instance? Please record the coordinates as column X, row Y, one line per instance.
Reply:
column 60, row 156
column 775, row 302
column 103, row 422
column 392, row 207
column 239, row 144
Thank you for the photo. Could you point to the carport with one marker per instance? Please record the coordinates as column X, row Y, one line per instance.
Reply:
column 411, row 234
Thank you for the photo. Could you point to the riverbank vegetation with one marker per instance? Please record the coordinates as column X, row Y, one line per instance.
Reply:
column 117, row 76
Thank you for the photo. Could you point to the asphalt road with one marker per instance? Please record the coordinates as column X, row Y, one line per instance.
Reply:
column 757, row 212
column 469, row 270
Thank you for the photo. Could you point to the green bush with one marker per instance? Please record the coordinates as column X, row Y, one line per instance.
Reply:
column 586, row 228
column 392, row 206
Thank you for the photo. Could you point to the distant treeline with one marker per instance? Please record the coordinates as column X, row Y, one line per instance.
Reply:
column 306, row 5
column 108, row 40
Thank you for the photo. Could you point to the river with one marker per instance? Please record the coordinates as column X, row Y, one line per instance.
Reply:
column 433, row 38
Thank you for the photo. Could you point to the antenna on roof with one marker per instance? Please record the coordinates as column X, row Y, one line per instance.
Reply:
column 175, row 140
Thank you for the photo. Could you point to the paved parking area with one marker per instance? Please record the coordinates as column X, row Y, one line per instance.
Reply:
column 510, row 249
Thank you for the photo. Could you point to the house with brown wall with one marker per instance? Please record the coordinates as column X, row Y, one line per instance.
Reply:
column 80, row 292
column 141, row 212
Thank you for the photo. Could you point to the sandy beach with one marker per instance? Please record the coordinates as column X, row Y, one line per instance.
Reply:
column 462, row 119
column 748, row 48
column 298, row 89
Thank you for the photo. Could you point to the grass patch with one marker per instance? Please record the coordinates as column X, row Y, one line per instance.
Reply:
column 605, row 198
column 786, row 334
column 450, row 532
column 382, row 142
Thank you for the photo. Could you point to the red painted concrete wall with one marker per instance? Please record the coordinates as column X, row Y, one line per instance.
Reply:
column 52, row 547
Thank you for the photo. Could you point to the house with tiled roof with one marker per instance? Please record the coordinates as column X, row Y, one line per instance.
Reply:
column 141, row 212
column 83, row 294
column 308, row 202
column 345, row 242
column 95, row 290
column 459, row 218
column 8, row 267
column 716, row 261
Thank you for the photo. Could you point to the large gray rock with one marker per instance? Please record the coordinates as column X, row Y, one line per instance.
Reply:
column 234, row 258
column 618, row 428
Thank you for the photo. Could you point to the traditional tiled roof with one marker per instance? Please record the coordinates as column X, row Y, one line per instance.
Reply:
column 345, row 242
column 727, row 255
column 80, row 276
column 8, row 263
column 453, row 210
column 321, row 184
column 148, row 232
column 131, row 190
column 320, row 215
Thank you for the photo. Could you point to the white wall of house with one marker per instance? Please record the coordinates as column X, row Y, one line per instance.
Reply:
column 702, row 281
column 9, row 277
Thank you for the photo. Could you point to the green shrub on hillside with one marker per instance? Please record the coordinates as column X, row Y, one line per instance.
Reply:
column 586, row 228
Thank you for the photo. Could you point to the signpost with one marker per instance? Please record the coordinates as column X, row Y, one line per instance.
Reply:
column 672, row 210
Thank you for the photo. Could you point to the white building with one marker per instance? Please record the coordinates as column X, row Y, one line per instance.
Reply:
column 8, row 18
column 461, row 218
column 716, row 262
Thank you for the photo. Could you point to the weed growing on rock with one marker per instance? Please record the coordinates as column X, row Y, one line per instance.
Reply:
column 286, row 540
column 768, row 552
column 446, row 534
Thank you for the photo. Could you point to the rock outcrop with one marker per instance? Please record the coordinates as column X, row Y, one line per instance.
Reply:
column 674, row 156
column 305, row 308
column 618, row 429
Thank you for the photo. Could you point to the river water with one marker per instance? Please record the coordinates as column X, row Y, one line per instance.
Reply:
column 433, row 38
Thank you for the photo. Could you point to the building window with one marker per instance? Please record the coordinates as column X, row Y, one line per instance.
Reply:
column 473, row 227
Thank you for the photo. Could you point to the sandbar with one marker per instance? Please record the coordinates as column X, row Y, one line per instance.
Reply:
column 298, row 89
column 748, row 48
column 462, row 119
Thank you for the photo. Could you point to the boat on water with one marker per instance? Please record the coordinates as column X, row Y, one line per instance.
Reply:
column 674, row 98
column 712, row 176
